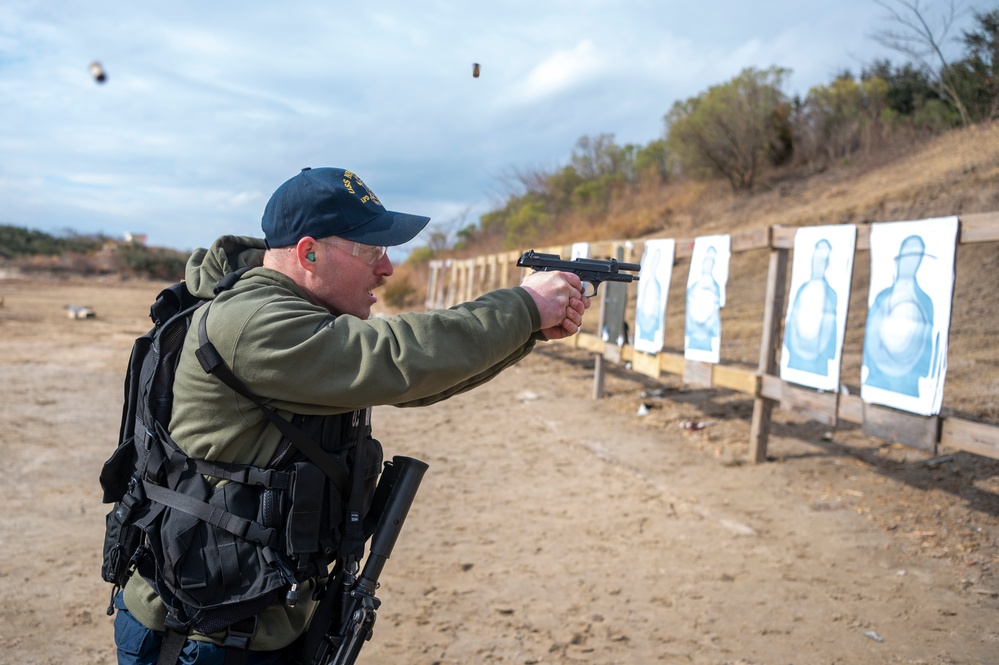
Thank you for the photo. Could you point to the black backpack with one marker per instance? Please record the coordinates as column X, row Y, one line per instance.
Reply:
column 217, row 557
column 148, row 400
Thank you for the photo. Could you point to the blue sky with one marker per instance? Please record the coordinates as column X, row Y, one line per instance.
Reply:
column 209, row 106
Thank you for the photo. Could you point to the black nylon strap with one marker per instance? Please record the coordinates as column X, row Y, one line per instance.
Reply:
column 229, row 279
column 235, row 646
column 234, row 524
column 352, row 542
column 170, row 647
column 212, row 362
column 242, row 473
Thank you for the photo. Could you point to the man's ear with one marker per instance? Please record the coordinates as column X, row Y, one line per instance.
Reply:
column 305, row 252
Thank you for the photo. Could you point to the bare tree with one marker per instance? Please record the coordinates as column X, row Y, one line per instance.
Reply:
column 516, row 181
column 444, row 233
column 920, row 41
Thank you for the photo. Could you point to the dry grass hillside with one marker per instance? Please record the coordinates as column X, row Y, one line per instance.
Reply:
column 951, row 174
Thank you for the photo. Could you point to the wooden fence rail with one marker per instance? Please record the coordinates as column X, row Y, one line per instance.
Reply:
column 456, row 280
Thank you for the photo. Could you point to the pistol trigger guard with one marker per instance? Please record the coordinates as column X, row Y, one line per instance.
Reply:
column 590, row 285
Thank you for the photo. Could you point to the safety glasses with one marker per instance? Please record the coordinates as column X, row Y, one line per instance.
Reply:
column 370, row 254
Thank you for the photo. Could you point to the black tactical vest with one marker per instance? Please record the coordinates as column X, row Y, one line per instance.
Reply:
column 220, row 542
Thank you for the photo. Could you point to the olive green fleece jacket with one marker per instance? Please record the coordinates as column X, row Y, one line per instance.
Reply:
column 299, row 358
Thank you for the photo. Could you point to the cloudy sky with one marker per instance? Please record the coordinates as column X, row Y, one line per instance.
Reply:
column 209, row 106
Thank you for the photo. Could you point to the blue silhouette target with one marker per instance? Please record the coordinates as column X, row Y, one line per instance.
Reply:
column 908, row 318
column 653, row 291
column 706, row 284
column 816, row 320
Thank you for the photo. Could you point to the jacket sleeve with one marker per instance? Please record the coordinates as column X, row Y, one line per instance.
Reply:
column 303, row 360
column 478, row 379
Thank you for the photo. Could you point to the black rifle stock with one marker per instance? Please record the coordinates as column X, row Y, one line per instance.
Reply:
column 352, row 625
column 591, row 271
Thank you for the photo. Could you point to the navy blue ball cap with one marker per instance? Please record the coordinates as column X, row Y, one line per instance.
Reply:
column 325, row 202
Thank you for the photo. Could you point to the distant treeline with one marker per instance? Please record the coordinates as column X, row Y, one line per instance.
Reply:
column 16, row 241
column 30, row 250
column 747, row 131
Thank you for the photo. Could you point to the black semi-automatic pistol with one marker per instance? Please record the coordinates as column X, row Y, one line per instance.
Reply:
column 591, row 271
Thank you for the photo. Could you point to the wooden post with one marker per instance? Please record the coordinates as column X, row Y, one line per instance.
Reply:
column 598, row 368
column 452, row 282
column 772, row 313
column 428, row 304
column 610, row 325
column 442, row 284
column 468, row 285
column 598, row 376
column 491, row 279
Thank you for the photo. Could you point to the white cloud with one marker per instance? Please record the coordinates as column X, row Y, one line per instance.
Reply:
column 559, row 72
column 241, row 199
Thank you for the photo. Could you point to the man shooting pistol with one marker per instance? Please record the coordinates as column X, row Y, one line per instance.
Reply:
column 591, row 271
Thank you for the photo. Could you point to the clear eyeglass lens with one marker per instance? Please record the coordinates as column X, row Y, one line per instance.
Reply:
column 374, row 253
column 371, row 254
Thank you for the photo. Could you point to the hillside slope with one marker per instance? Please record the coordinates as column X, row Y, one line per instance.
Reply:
column 951, row 174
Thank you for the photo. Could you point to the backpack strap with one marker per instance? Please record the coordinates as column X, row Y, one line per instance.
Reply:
column 235, row 645
column 212, row 362
column 244, row 474
column 234, row 524
column 352, row 541
column 170, row 647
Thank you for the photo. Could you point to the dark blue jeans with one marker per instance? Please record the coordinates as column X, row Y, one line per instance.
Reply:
column 138, row 645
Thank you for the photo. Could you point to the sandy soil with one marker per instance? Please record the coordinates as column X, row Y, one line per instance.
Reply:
column 550, row 528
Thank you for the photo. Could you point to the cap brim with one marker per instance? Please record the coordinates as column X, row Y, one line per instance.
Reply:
column 388, row 229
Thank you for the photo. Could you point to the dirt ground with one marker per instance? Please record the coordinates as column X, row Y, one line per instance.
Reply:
column 551, row 528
